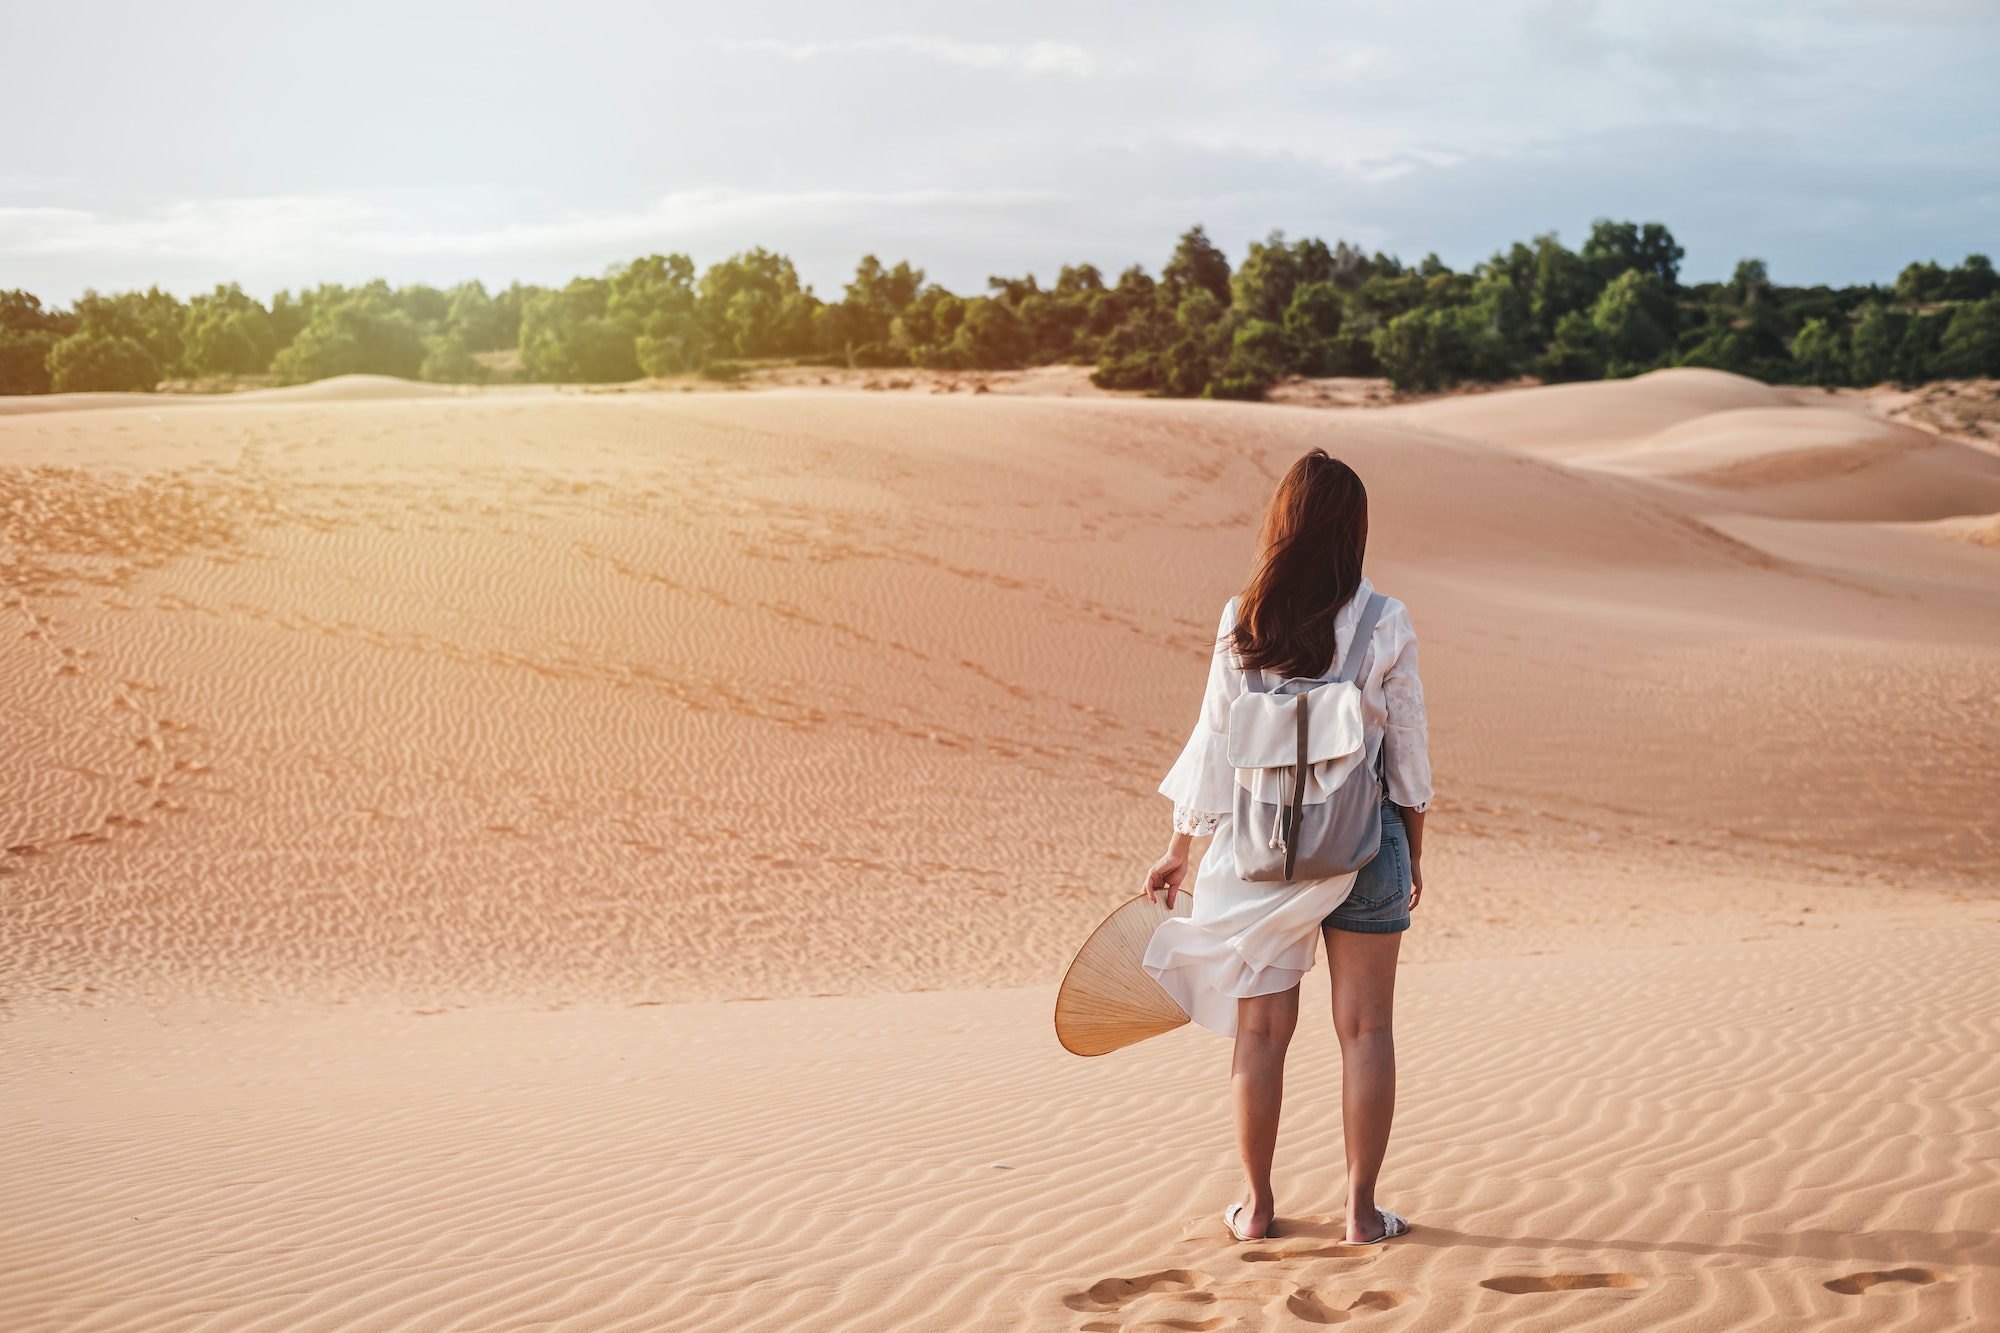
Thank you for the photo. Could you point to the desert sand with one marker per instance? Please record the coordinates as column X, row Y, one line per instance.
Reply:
column 491, row 859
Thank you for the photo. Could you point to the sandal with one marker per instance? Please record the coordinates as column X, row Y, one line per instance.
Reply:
column 1229, row 1215
column 1393, row 1225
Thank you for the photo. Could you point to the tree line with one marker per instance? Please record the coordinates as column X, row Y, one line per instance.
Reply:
column 1613, row 307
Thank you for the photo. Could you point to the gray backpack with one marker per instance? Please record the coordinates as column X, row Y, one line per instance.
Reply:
column 1308, row 804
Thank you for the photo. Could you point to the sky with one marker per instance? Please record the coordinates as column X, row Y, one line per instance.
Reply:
column 282, row 145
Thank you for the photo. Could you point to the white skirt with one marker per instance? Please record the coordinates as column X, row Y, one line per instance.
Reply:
column 1241, row 939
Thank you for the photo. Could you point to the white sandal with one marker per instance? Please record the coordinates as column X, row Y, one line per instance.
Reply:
column 1393, row 1225
column 1229, row 1220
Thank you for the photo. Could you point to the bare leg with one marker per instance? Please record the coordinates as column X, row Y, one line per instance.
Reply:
column 1364, row 992
column 1264, row 1026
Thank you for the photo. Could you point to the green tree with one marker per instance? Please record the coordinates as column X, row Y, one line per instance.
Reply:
column 1920, row 283
column 151, row 318
column 569, row 336
column 1749, row 281
column 1425, row 350
column 1259, row 356
column 752, row 305
column 858, row 328
column 1312, row 325
column 478, row 322
column 94, row 361
column 427, row 307
column 1919, row 353
column 1819, row 354
column 1196, row 265
column 228, row 333
column 359, row 332
column 1970, row 347
column 1874, row 349
column 1634, row 318
column 1973, row 280
column 447, row 360
column 653, row 300
column 990, row 337
column 27, row 332
column 1509, row 315
column 1272, row 273
column 923, row 333
column 1616, row 248
column 24, row 360
column 1562, row 283
column 1576, row 352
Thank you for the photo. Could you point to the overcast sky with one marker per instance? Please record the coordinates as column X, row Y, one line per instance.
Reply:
column 432, row 140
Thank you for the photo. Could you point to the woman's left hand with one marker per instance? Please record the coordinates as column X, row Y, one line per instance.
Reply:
column 1167, row 874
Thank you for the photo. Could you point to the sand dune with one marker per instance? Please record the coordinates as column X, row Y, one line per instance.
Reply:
column 1558, row 420
column 338, row 389
column 1791, row 1132
column 455, row 758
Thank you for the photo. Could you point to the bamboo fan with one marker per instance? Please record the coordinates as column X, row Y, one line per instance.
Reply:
column 1107, row 1000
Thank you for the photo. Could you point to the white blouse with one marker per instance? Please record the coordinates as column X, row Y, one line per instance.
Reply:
column 1201, row 783
column 1241, row 938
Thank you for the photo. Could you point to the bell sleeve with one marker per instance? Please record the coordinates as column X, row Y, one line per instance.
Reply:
column 1406, row 768
column 1201, row 784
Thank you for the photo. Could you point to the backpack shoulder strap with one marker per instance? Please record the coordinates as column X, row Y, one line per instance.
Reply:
column 1364, row 637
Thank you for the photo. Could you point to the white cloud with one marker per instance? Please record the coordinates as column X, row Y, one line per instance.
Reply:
column 1359, row 62
column 1027, row 58
column 261, row 241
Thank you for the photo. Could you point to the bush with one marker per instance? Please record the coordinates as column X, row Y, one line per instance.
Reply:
column 96, row 362
column 1426, row 350
column 357, row 333
column 1246, row 388
column 723, row 371
column 24, row 360
column 1134, row 370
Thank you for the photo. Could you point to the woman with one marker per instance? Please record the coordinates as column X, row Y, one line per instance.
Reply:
column 1235, row 964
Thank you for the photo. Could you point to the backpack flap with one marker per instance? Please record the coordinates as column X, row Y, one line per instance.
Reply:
column 1263, row 740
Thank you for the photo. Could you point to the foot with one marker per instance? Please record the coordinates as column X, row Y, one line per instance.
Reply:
column 1250, row 1221
column 1370, row 1225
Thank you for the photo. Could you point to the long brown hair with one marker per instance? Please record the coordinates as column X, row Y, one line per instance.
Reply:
column 1315, row 534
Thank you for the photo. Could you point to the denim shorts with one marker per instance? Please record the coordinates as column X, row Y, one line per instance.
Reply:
column 1379, row 903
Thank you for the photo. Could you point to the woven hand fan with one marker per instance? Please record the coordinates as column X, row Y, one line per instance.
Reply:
column 1107, row 1000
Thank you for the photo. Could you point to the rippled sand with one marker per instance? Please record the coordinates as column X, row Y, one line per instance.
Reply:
column 404, row 791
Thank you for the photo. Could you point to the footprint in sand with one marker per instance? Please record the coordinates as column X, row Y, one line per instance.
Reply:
column 1188, row 1298
column 1314, row 1307
column 1885, row 1280
column 1114, row 1293
column 1530, row 1284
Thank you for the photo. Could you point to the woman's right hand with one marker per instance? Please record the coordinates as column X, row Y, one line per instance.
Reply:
column 1166, row 876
